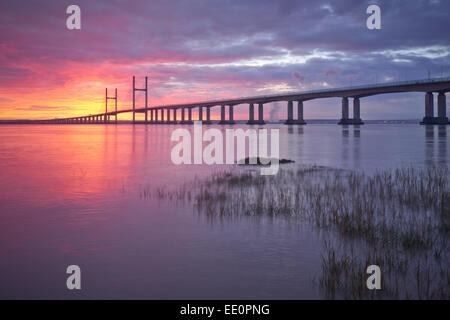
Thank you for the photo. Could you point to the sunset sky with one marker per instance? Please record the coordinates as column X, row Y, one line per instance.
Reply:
column 204, row 49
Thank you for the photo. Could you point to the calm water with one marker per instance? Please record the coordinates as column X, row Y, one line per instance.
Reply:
column 70, row 194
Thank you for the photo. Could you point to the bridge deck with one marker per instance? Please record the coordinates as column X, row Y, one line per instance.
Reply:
column 427, row 85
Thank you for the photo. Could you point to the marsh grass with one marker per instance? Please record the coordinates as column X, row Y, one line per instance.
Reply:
column 398, row 219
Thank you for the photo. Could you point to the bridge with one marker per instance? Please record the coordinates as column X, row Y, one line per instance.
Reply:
column 167, row 114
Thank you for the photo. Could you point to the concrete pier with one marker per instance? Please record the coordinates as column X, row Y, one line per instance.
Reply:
column 290, row 112
column 442, row 105
column 208, row 116
column 186, row 118
column 429, row 109
column 441, row 118
column 261, row 114
column 251, row 114
column 189, row 120
column 231, row 115
column 300, row 119
column 182, row 116
column 356, row 111
column 200, row 114
column 222, row 115
column 223, row 119
column 345, row 120
column 175, row 116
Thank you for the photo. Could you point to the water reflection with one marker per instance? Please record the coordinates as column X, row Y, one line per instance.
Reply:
column 71, row 193
column 442, row 144
column 351, row 145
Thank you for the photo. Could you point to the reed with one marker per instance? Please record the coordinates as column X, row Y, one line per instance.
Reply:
column 398, row 219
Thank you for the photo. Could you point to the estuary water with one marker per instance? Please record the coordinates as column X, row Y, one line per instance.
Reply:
column 72, row 195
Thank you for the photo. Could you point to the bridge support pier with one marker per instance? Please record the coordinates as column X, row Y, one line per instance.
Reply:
column 222, row 115
column 429, row 109
column 230, row 115
column 200, row 114
column 251, row 114
column 189, row 121
column 356, row 111
column 208, row 116
column 175, row 116
column 300, row 119
column 261, row 114
column 442, row 109
column 290, row 111
column 345, row 120
column 182, row 116
column 168, row 115
column 189, row 116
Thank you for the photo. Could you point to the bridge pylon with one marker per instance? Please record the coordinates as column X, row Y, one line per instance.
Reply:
column 106, row 105
column 134, row 99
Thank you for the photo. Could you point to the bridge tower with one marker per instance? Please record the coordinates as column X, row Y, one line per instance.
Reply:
column 134, row 99
column 106, row 105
